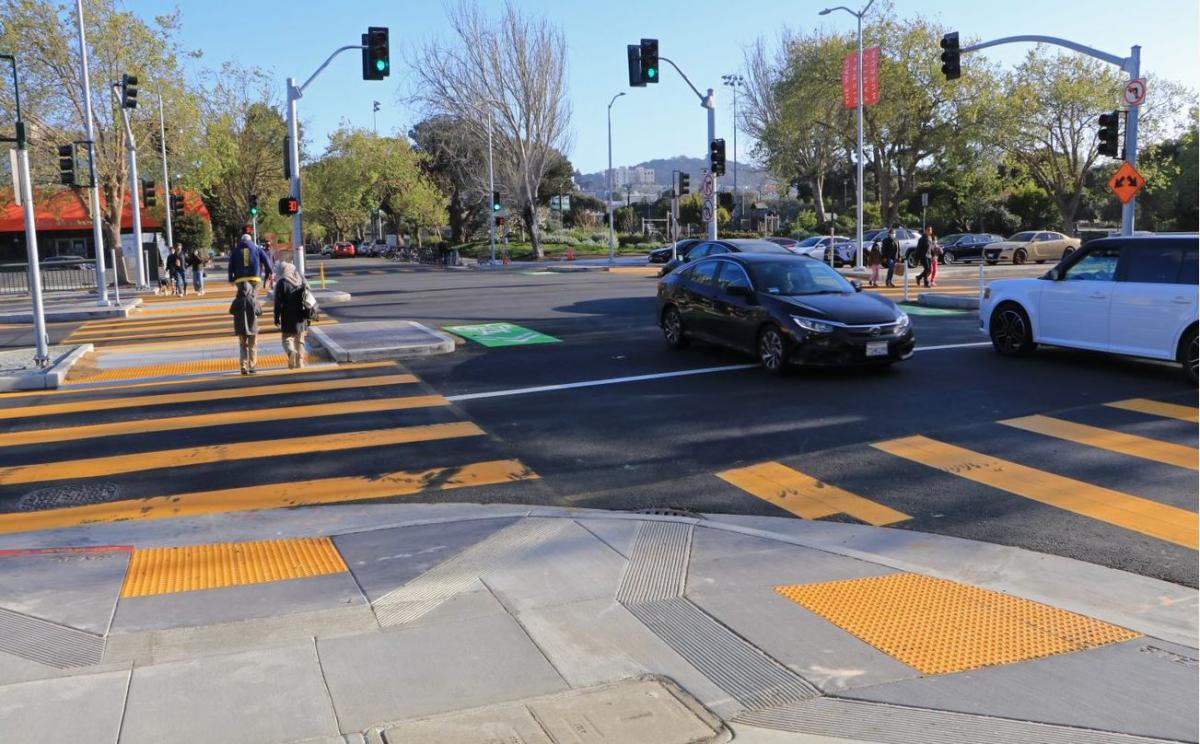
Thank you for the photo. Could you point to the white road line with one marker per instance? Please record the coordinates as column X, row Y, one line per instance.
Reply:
column 656, row 376
column 594, row 383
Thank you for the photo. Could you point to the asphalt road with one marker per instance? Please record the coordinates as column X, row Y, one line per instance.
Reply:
column 656, row 443
column 693, row 430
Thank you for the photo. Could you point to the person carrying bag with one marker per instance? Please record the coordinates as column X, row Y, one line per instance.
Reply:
column 295, row 309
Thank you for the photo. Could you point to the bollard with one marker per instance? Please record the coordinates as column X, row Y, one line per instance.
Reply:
column 904, row 264
column 116, row 277
column 322, row 276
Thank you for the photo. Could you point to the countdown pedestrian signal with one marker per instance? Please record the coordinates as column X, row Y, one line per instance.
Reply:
column 289, row 205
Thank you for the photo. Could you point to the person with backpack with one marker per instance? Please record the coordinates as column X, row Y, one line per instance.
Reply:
column 196, row 264
column 245, row 311
column 295, row 308
column 247, row 264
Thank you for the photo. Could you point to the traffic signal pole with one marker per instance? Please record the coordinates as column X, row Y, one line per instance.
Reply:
column 294, row 93
column 1131, row 65
column 709, row 102
column 135, row 202
column 162, row 138
column 90, row 131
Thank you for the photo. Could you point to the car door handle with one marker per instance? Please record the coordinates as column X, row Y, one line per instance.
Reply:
column 1181, row 301
column 1099, row 295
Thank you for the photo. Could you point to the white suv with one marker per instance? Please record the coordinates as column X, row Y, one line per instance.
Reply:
column 1135, row 296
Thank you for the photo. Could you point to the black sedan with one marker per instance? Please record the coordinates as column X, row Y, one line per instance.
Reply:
column 662, row 255
column 717, row 247
column 966, row 247
column 786, row 310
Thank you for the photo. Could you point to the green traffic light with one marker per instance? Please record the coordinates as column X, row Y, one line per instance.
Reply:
column 381, row 65
column 254, row 210
column 651, row 72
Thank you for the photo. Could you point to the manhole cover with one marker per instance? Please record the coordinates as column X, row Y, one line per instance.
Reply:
column 71, row 494
column 670, row 511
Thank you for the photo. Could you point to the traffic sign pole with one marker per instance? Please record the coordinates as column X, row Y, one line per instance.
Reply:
column 1128, row 211
column 710, row 103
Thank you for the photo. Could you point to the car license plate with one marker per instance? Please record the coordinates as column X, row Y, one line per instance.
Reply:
column 877, row 348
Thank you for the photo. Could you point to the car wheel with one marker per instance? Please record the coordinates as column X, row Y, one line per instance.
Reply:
column 1019, row 256
column 673, row 329
column 948, row 257
column 1189, row 355
column 772, row 350
column 1010, row 331
column 911, row 259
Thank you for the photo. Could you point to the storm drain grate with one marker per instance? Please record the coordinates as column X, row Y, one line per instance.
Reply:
column 754, row 679
column 48, row 643
column 443, row 581
column 657, row 566
column 68, row 495
column 896, row 724
column 670, row 511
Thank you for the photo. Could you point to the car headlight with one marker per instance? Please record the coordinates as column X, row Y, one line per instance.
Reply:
column 902, row 322
column 813, row 326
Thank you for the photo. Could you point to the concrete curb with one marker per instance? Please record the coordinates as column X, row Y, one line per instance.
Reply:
column 54, row 315
column 48, row 379
column 339, row 353
column 949, row 302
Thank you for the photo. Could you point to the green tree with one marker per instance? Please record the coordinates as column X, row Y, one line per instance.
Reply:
column 193, row 232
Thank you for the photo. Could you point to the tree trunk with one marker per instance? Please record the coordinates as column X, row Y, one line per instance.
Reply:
column 529, row 212
column 818, row 187
column 455, row 211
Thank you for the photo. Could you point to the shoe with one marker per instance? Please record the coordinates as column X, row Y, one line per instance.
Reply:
column 253, row 371
column 244, row 372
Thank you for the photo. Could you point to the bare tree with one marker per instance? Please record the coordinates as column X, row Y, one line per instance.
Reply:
column 513, row 72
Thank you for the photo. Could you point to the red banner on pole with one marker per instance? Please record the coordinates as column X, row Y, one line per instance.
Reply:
column 870, row 78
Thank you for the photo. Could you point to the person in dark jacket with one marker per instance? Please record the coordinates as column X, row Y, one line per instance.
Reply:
column 247, row 264
column 196, row 264
column 891, row 251
column 923, row 253
column 290, row 314
column 245, row 311
column 176, row 270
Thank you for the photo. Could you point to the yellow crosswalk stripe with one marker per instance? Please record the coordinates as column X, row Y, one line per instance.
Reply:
column 1157, row 408
column 135, row 321
column 191, row 568
column 1175, row 525
column 220, row 327
column 145, row 326
column 805, row 496
column 78, row 388
column 1113, row 441
column 254, row 416
column 96, row 467
column 273, row 496
column 140, row 401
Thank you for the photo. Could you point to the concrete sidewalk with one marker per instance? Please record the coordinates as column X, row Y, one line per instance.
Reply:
column 467, row 623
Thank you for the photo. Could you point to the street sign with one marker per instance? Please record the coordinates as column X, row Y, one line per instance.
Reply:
column 16, row 182
column 924, row 199
column 1135, row 92
column 708, row 188
column 500, row 334
column 708, row 210
column 1126, row 182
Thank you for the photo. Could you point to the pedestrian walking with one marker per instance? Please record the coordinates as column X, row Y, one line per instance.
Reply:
column 923, row 252
column 874, row 259
column 247, row 264
column 196, row 264
column 294, row 309
column 891, row 251
column 245, row 311
column 175, row 270
column 935, row 257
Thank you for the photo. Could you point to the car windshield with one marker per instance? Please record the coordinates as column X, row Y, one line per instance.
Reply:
column 1022, row 237
column 810, row 242
column 953, row 237
column 802, row 277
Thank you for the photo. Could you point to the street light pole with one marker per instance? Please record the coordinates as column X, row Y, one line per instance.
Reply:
column 858, row 264
column 612, row 239
column 166, row 189
column 735, row 81
column 135, row 204
column 90, row 132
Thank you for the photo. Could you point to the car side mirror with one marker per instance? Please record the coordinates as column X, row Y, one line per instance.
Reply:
column 738, row 290
column 856, row 284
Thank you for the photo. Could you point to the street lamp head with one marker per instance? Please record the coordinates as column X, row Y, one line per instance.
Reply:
column 827, row 11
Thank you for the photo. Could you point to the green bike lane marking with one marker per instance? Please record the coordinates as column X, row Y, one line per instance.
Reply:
column 500, row 334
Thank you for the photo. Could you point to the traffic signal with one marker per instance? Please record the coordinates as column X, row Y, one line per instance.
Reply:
column 254, row 204
column 499, row 221
column 950, row 66
column 496, row 206
column 1110, row 133
column 716, row 157
column 649, row 61
column 176, row 206
column 247, row 229
column 289, row 205
column 376, row 62
column 725, row 200
column 149, row 199
column 634, row 52
column 66, row 164
column 129, row 91
column 684, row 184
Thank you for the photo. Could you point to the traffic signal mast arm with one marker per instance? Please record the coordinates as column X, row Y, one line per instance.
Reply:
column 703, row 98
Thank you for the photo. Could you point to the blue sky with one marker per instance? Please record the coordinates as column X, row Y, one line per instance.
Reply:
column 651, row 122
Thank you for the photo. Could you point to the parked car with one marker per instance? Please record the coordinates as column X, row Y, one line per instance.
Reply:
column 343, row 249
column 966, row 246
column 716, row 247
column 1031, row 245
column 907, row 240
column 663, row 255
column 789, row 243
column 815, row 247
column 63, row 262
column 785, row 309
column 326, row 249
column 1134, row 296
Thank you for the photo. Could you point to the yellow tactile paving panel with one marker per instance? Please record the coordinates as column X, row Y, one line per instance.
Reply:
column 195, row 567
column 939, row 627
